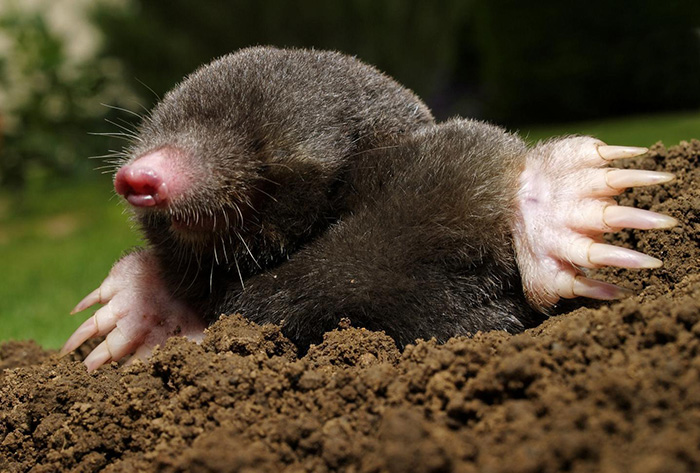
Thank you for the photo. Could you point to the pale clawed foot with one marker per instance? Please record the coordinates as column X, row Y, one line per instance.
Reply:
column 138, row 313
column 565, row 205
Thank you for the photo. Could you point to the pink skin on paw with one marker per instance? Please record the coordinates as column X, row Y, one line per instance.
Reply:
column 564, row 207
column 138, row 313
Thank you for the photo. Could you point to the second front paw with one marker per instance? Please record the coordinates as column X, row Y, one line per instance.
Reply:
column 139, row 312
column 565, row 205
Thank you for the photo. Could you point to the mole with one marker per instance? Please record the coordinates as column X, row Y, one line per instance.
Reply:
column 300, row 187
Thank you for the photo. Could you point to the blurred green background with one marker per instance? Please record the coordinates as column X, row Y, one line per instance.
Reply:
column 69, row 67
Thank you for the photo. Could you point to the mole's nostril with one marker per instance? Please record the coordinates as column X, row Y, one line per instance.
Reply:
column 140, row 186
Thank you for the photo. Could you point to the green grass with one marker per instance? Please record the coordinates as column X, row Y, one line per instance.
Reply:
column 630, row 131
column 58, row 242
column 56, row 245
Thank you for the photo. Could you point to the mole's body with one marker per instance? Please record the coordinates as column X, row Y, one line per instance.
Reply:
column 428, row 252
column 300, row 187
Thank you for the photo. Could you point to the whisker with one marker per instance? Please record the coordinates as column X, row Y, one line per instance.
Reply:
column 128, row 125
column 144, row 84
column 211, row 278
column 269, row 180
column 121, row 136
column 184, row 275
column 248, row 249
column 110, row 155
column 240, row 276
column 114, row 107
column 109, row 133
column 146, row 116
column 223, row 248
column 128, row 131
column 226, row 219
column 240, row 214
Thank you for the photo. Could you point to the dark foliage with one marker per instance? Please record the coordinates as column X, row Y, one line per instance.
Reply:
column 416, row 42
column 576, row 60
column 503, row 60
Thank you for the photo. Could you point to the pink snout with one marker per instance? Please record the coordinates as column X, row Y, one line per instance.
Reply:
column 141, row 186
column 155, row 179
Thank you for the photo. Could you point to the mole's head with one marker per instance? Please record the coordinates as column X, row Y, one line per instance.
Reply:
column 238, row 158
column 245, row 155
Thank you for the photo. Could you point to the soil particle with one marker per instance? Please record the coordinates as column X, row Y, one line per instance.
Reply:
column 598, row 388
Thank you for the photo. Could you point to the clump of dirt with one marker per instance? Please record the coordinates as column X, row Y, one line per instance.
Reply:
column 601, row 388
column 15, row 354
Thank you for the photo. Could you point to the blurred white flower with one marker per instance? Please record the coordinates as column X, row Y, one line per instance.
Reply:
column 30, row 30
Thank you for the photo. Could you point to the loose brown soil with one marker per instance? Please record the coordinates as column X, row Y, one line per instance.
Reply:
column 605, row 387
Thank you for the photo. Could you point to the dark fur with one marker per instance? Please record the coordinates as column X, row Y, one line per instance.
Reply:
column 353, row 203
column 427, row 254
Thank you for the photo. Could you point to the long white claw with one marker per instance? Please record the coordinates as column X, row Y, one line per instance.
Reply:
column 98, row 357
column 101, row 323
column 88, row 301
column 87, row 330
column 600, row 254
column 616, row 216
column 106, row 319
column 103, row 294
column 611, row 153
column 114, row 347
column 585, row 287
column 623, row 178
column 123, row 341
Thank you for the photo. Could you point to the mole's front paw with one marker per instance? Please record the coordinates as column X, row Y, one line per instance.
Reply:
column 139, row 313
column 565, row 206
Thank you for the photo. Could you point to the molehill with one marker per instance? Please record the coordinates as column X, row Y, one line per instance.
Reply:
column 600, row 387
